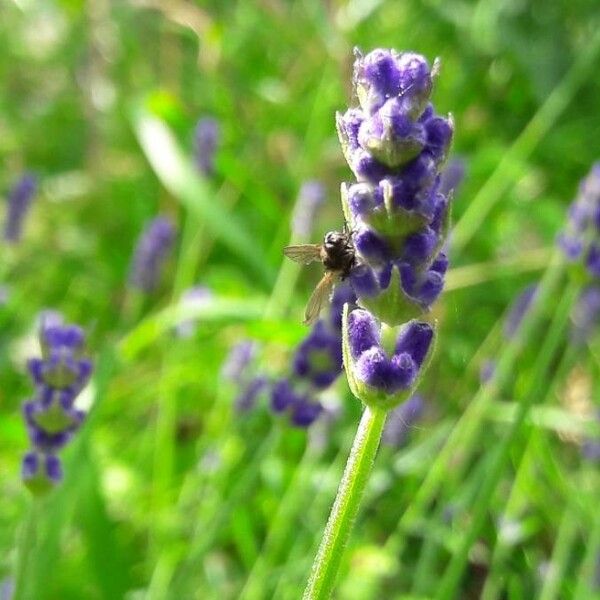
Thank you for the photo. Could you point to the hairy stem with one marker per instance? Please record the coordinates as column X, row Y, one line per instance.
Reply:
column 345, row 508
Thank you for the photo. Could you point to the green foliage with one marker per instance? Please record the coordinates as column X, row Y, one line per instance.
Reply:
column 169, row 493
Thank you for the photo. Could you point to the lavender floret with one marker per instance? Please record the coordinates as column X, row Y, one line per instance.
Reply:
column 373, row 367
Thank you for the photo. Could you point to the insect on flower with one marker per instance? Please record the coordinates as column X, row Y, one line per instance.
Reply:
column 338, row 255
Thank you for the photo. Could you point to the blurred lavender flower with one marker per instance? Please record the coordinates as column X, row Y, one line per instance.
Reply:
column 581, row 238
column 310, row 198
column 150, row 253
column 19, row 201
column 401, row 420
column 316, row 364
column 51, row 416
column 248, row 396
column 237, row 369
column 195, row 297
column 206, row 142
column 4, row 294
column 518, row 310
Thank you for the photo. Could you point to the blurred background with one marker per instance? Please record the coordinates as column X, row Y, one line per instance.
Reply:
column 213, row 115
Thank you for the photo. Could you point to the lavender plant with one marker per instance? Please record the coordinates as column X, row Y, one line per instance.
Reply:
column 19, row 201
column 396, row 145
column 52, row 419
column 51, row 416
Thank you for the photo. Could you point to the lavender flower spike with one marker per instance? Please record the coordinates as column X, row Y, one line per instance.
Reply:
column 19, row 201
column 50, row 416
column 206, row 141
column 151, row 251
column 396, row 145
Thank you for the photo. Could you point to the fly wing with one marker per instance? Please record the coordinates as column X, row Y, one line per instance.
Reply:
column 319, row 297
column 303, row 253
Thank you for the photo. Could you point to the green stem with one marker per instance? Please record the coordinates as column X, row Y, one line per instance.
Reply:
column 26, row 543
column 345, row 508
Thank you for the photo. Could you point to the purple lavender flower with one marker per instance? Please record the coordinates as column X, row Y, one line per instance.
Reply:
column 385, row 376
column 579, row 240
column 401, row 419
column 310, row 197
column 206, row 141
column 396, row 146
column 50, row 416
column 19, row 201
column 302, row 408
column 316, row 364
column 151, row 251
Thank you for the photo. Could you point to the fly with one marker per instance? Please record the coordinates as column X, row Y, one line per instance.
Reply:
column 338, row 255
